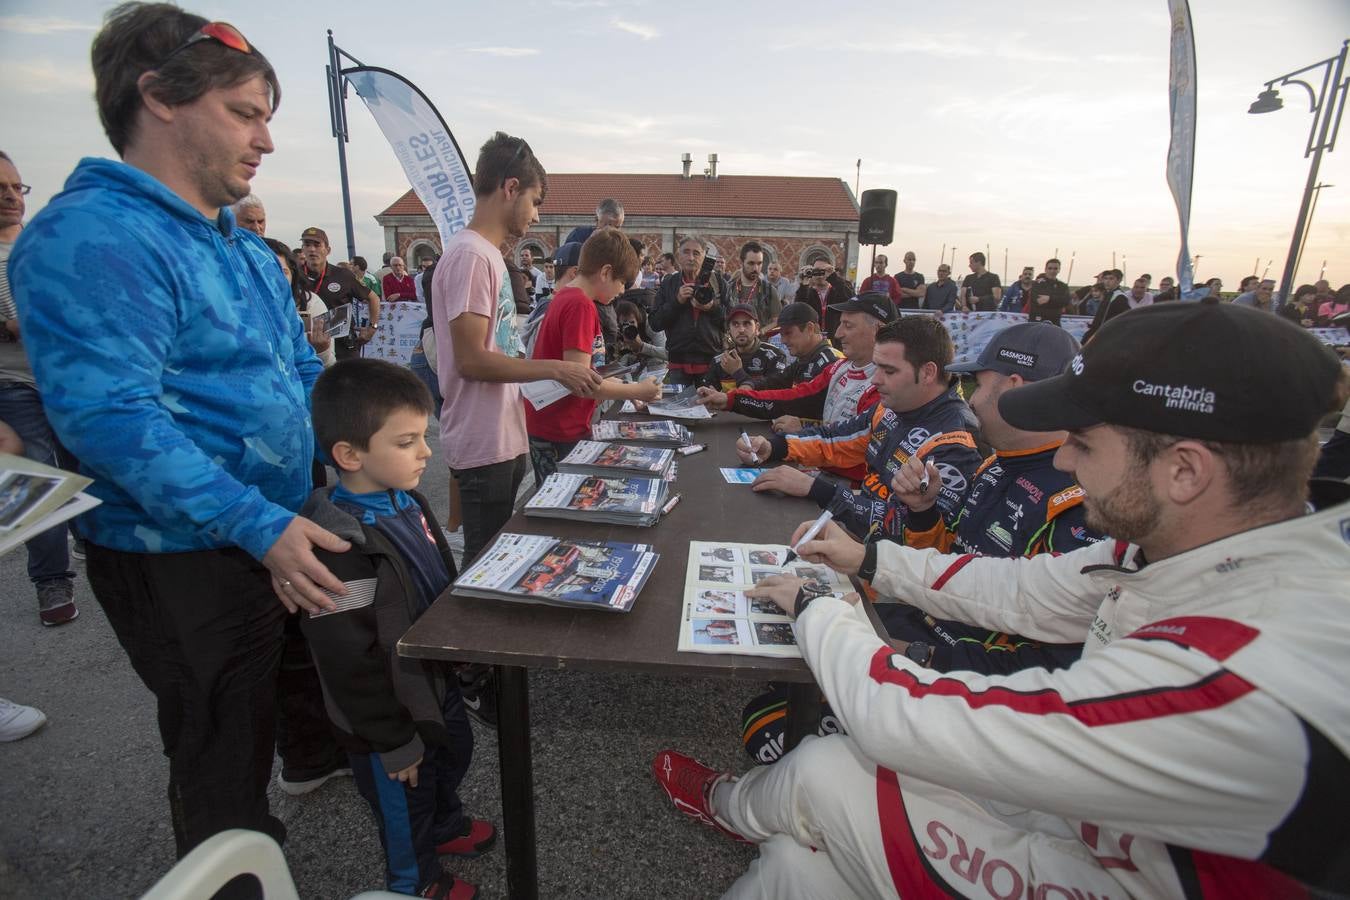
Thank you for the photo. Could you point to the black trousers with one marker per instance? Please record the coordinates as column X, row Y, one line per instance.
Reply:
column 204, row 632
column 487, row 497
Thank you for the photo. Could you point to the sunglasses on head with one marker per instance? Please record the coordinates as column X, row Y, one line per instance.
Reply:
column 521, row 149
column 220, row 32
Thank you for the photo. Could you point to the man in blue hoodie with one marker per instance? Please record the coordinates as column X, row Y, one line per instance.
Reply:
column 174, row 367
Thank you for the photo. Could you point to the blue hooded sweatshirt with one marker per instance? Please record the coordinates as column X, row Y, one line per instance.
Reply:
column 171, row 362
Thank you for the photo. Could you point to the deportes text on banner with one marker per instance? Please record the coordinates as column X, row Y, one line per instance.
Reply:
column 422, row 142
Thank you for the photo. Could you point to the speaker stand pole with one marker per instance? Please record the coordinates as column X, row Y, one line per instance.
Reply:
column 873, row 267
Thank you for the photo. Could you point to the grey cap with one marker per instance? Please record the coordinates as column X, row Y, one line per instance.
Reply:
column 1034, row 350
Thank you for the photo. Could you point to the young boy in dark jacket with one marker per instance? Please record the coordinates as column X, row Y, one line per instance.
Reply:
column 402, row 720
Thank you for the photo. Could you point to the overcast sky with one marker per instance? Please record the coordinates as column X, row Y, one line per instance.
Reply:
column 1035, row 126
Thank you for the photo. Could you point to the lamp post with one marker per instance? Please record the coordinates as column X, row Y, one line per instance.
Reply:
column 1326, row 105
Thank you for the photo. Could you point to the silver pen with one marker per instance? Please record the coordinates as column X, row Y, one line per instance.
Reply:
column 810, row 535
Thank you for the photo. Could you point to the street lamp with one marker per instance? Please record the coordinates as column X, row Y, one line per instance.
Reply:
column 1327, row 106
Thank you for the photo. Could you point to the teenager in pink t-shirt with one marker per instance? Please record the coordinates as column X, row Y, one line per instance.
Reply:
column 483, row 420
column 571, row 331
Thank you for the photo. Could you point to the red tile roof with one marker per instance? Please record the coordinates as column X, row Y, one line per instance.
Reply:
column 738, row 196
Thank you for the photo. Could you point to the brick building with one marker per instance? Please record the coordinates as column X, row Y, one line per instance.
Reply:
column 796, row 219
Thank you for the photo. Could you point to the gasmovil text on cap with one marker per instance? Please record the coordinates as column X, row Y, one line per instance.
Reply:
column 1191, row 399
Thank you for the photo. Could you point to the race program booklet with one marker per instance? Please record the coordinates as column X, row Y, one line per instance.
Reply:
column 719, row 618
column 600, row 458
column 597, row 498
column 662, row 431
column 532, row 568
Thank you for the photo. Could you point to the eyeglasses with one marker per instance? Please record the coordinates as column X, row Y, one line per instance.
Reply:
column 220, row 32
column 17, row 187
column 521, row 149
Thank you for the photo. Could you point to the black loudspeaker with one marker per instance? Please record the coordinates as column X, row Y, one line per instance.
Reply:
column 876, row 220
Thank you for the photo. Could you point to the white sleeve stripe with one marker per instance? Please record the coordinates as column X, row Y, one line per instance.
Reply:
column 360, row 594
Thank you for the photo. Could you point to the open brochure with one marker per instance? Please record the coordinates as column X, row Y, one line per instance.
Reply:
column 719, row 618
column 681, row 405
column 335, row 323
column 532, row 568
column 597, row 498
column 543, row 393
column 663, row 431
column 34, row 497
column 602, row 458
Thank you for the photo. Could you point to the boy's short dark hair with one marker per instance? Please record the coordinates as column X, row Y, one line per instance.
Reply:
column 503, row 157
column 353, row 399
column 142, row 37
column 925, row 338
column 360, row 263
column 608, row 246
column 977, row 257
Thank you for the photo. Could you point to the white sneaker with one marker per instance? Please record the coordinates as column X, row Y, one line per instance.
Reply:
column 18, row 721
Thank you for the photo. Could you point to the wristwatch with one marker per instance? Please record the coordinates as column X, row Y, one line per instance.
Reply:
column 920, row 652
column 805, row 594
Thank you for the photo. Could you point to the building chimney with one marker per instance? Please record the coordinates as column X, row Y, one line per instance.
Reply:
column 688, row 161
column 712, row 166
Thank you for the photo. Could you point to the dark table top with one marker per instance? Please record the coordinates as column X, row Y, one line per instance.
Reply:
column 472, row 629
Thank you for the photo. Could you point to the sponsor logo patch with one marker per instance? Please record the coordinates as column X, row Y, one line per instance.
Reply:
column 1017, row 358
column 1077, row 364
column 1185, row 397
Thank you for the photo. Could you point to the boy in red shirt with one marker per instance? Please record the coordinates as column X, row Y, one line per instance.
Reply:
column 571, row 331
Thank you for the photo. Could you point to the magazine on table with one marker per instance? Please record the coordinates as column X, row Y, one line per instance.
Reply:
column 719, row 618
column 682, row 404
column 604, row 458
column 616, row 499
column 662, row 431
column 34, row 497
column 532, row 568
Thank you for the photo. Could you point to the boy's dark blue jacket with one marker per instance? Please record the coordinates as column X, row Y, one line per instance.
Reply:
column 379, row 701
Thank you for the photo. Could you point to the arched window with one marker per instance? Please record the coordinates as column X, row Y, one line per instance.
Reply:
column 816, row 252
column 419, row 250
column 537, row 249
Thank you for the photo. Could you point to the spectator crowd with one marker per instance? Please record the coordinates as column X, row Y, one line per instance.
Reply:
column 1117, row 666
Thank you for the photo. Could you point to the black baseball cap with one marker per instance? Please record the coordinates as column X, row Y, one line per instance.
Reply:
column 567, row 255
column 313, row 234
column 798, row 314
column 1185, row 369
column 1034, row 350
column 743, row 309
column 874, row 303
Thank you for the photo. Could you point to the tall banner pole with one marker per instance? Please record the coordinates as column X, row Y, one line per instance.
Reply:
column 1181, row 150
column 337, row 111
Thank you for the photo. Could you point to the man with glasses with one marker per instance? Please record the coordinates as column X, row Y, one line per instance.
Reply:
column 1048, row 296
column 185, row 393
column 941, row 294
column 21, row 409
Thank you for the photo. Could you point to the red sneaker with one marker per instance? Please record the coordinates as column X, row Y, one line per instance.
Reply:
column 448, row 887
column 689, row 785
column 474, row 842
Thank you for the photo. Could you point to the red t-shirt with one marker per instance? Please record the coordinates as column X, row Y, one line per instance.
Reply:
column 571, row 323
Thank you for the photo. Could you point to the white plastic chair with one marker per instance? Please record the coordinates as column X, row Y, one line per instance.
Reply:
column 228, row 855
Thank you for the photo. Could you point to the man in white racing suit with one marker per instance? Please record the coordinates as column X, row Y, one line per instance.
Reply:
column 1200, row 746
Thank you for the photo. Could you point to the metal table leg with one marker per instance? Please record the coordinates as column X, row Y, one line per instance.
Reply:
column 517, row 768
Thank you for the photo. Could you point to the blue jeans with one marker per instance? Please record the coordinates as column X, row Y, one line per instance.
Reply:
column 21, row 409
column 419, row 367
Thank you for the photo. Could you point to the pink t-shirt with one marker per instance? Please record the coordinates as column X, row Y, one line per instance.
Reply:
column 482, row 422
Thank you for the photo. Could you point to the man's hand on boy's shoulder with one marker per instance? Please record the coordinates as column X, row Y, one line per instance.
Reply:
column 298, row 577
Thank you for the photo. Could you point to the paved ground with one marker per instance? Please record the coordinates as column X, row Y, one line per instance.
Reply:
column 84, row 812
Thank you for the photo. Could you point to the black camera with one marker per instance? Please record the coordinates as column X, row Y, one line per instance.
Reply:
column 629, row 332
column 812, row 273
column 703, row 292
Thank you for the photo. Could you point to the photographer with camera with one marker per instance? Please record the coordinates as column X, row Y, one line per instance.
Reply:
column 691, row 308
column 637, row 342
column 749, row 360
column 824, row 290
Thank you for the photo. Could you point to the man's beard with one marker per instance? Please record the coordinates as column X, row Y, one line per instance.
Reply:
column 1130, row 513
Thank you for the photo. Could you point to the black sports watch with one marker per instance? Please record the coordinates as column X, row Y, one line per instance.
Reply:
column 920, row 652
column 805, row 594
